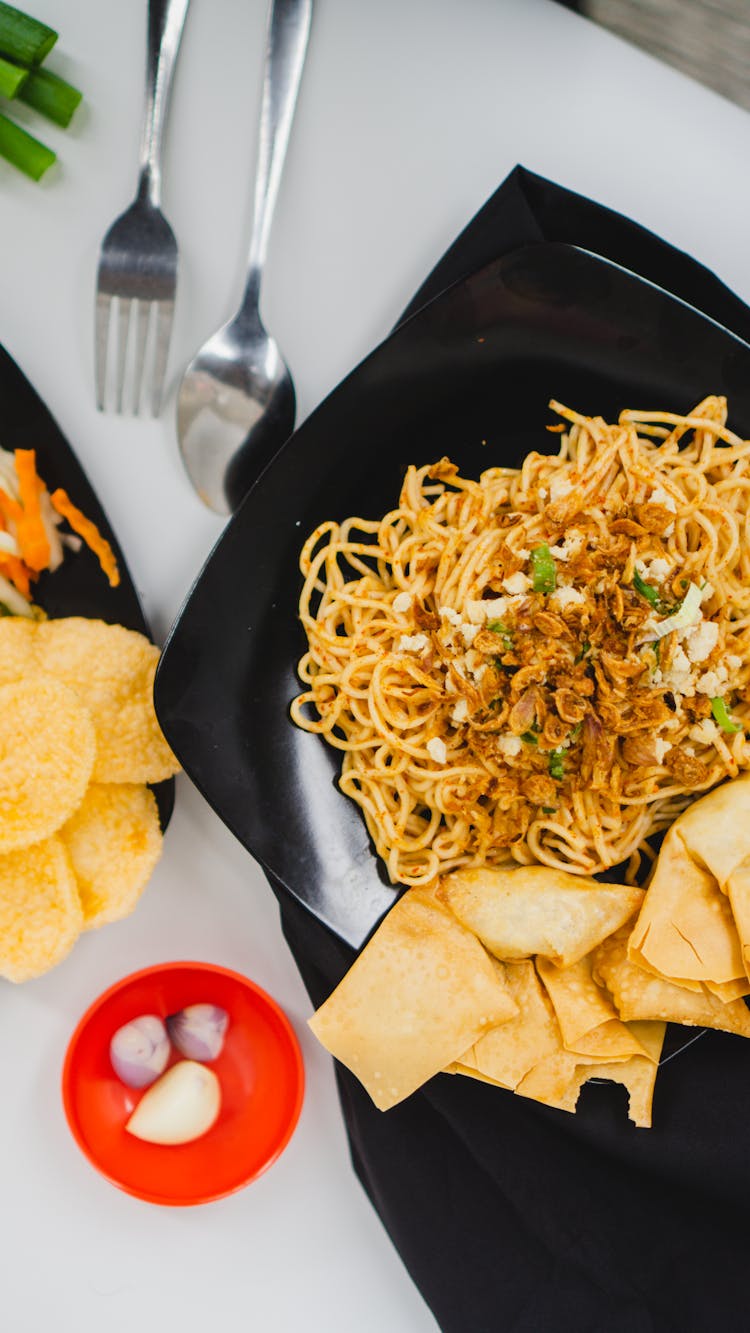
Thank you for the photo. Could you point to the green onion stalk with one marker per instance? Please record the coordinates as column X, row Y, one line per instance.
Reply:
column 543, row 569
column 24, row 39
column 22, row 150
column 721, row 715
column 12, row 78
column 51, row 96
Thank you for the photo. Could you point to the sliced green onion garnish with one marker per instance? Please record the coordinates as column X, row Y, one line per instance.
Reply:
column 23, row 150
column 645, row 589
column 24, row 38
column 497, row 627
column 585, row 649
column 654, row 598
column 721, row 715
column 529, row 738
column 12, row 78
column 543, row 569
column 549, row 809
column 575, row 733
column 51, row 95
column 557, row 764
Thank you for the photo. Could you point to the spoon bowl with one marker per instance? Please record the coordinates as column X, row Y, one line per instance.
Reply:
column 236, row 403
column 235, row 408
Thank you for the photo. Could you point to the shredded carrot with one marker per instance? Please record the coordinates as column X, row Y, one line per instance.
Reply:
column 17, row 572
column 30, row 530
column 89, row 532
column 9, row 508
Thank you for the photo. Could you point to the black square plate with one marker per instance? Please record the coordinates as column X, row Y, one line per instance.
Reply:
column 470, row 376
column 78, row 587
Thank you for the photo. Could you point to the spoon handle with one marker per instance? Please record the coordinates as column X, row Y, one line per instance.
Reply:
column 286, row 44
column 166, row 19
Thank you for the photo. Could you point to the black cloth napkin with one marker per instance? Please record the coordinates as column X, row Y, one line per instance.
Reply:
column 511, row 1216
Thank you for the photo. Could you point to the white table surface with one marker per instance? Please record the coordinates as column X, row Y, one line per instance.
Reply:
column 410, row 114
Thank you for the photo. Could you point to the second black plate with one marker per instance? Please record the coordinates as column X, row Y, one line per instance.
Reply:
column 78, row 587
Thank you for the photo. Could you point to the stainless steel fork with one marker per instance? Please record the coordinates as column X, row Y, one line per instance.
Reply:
column 138, row 259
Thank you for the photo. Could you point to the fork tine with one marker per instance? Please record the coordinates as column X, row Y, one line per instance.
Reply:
column 101, row 338
column 164, row 315
column 124, row 307
column 143, row 310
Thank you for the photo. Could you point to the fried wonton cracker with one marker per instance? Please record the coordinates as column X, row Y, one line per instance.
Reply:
column 112, row 669
column 420, row 993
column 716, row 831
column 47, row 752
column 728, row 990
column 685, row 929
column 588, row 1020
column 641, row 995
column 40, row 911
column 537, row 910
column 548, row 1081
column 506, row 1052
column 637, row 1074
column 114, row 841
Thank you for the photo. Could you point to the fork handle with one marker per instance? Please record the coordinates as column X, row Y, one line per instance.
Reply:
column 166, row 20
column 286, row 43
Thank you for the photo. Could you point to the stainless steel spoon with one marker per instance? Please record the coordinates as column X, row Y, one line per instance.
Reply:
column 236, row 404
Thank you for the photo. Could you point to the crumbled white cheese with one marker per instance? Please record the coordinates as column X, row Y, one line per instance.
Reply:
column 437, row 750
column 517, row 583
column 412, row 643
column 701, row 640
column 655, row 570
column 493, row 608
column 478, row 672
column 402, row 602
column 523, row 553
column 478, row 610
column 469, row 632
column 660, row 748
column 733, row 662
column 509, row 746
column 669, row 530
column 713, row 682
column 460, row 711
column 707, row 592
column 661, row 497
column 678, row 676
column 542, row 492
column 562, row 598
column 571, row 545
column 559, row 487
column 705, row 732
column 447, row 613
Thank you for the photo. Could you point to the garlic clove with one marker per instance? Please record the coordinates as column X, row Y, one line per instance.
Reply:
column 139, row 1051
column 198, row 1031
column 183, row 1105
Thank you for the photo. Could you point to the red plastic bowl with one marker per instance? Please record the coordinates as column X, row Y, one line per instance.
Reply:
column 260, row 1071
